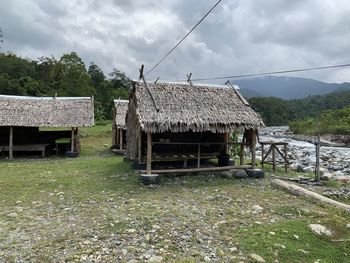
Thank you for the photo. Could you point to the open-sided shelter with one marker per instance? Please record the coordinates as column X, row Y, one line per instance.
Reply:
column 119, row 126
column 21, row 118
column 181, row 121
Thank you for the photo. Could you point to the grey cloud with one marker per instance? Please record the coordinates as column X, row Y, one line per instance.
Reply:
column 240, row 36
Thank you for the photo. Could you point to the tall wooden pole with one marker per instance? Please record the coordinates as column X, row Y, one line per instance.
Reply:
column 318, row 145
column 253, row 146
column 11, row 144
column 149, row 153
column 72, row 141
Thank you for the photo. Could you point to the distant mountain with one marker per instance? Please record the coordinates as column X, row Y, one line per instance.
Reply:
column 286, row 87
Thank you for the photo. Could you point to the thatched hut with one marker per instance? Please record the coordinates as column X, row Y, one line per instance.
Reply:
column 120, row 108
column 22, row 119
column 179, row 121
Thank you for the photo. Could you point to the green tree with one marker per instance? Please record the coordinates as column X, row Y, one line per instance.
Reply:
column 70, row 77
column 10, row 86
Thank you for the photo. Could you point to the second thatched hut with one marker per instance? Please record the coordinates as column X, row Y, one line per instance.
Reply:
column 120, row 108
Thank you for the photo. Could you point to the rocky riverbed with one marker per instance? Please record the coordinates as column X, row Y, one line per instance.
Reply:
column 335, row 161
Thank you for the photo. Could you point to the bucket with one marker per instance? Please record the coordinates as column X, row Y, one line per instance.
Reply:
column 224, row 159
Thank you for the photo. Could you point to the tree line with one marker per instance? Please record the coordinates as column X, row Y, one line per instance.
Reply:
column 301, row 115
column 66, row 76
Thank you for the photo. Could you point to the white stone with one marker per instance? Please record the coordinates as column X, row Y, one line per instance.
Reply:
column 258, row 208
column 320, row 229
column 156, row 259
column 233, row 249
column 256, row 258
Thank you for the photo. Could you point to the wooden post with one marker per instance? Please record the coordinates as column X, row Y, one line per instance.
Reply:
column 140, row 147
column 318, row 145
column 11, row 144
column 262, row 155
column 241, row 155
column 286, row 156
column 317, row 168
column 273, row 157
column 149, row 153
column 121, row 139
column 72, row 141
column 199, row 156
column 253, row 146
column 227, row 140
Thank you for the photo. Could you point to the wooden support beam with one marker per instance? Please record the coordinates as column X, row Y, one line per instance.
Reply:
column 121, row 139
column 116, row 136
column 199, row 156
column 202, row 169
column 139, row 155
column 253, row 147
column 149, row 153
column 297, row 190
column 227, row 140
column 72, row 141
column 11, row 144
column 241, row 155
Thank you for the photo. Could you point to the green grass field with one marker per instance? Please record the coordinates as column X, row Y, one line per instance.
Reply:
column 94, row 209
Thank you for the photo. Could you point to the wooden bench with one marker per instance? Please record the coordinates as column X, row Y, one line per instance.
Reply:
column 26, row 148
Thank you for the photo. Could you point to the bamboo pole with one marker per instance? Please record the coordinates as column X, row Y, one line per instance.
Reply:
column 11, row 143
column 149, row 153
column 297, row 190
column 72, row 141
column 140, row 147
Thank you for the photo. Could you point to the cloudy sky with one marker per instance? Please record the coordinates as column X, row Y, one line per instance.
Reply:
column 238, row 37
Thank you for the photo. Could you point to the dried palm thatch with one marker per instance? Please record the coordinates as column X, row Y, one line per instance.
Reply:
column 196, row 108
column 46, row 111
column 120, row 110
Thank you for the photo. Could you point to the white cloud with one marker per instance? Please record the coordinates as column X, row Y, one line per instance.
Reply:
column 240, row 36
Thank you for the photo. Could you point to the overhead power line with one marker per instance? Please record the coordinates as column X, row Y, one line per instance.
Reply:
column 271, row 73
column 178, row 43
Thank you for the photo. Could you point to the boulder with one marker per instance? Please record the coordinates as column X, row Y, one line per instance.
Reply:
column 326, row 176
column 241, row 174
column 320, row 229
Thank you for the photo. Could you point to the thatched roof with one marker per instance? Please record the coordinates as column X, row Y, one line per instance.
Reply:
column 46, row 111
column 197, row 108
column 120, row 110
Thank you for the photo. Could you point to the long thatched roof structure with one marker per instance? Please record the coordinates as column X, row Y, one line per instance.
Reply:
column 181, row 107
column 46, row 111
column 120, row 110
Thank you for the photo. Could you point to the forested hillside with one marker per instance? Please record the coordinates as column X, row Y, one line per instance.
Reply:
column 277, row 111
column 329, row 122
column 67, row 76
